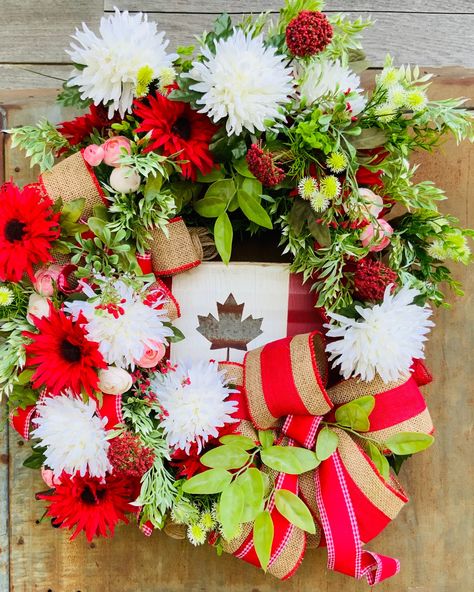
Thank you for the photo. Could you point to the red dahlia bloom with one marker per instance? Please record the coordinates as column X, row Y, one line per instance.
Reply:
column 308, row 33
column 63, row 356
column 28, row 226
column 176, row 128
column 262, row 165
column 90, row 505
column 371, row 278
column 129, row 457
column 79, row 129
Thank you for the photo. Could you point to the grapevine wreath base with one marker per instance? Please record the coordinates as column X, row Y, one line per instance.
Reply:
column 278, row 446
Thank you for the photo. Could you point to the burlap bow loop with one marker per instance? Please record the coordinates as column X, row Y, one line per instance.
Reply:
column 283, row 387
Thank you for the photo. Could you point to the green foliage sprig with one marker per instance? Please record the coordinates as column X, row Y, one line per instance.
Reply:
column 41, row 143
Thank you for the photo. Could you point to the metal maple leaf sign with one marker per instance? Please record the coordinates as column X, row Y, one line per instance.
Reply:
column 229, row 330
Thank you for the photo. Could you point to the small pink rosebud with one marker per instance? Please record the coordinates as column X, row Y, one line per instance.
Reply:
column 376, row 236
column 373, row 203
column 38, row 307
column 114, row 148
column 48, row 477
column 152, row 355
column 93, row 155
column 45, row 278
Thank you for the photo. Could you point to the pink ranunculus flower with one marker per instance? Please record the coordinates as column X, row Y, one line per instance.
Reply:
column 49, row 479
column 93, row 155
column 152, row 355
column 373, row 203
column 38, row 307
column 45, row 278
column 113, row 149
column 376, row 236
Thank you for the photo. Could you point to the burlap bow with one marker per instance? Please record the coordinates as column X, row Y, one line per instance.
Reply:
column 174, row 251
column 283, row 388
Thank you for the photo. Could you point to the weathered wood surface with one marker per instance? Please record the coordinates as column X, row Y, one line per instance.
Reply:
column 434, row 33
column 433, row 536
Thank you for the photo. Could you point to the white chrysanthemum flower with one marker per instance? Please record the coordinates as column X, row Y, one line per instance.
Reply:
column 324, row 78
column 385, row 340
column 112, row 62
column 125, row 329
column 243, row 81
column 74, row 436
column 194, row 399
column 416, row 100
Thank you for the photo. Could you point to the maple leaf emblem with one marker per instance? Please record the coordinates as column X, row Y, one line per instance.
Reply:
column 229, row 330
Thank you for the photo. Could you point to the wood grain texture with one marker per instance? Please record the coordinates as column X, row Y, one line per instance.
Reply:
column 4, row 512
column 428, row 38
column 432, row 536
column 424, row 6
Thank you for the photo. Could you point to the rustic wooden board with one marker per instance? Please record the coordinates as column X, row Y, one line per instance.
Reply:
column 425, row 6
column 4, row 512
column 404, row 34
column 432, row 536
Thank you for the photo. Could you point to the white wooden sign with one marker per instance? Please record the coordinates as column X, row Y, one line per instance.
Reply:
column 227, row 310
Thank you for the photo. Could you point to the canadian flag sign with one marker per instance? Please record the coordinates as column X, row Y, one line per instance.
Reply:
column 229, row 309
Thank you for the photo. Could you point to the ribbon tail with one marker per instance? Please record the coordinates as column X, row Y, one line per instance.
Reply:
column 341, row 529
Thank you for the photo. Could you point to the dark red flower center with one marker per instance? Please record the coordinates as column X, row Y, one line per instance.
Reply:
column 92, row 497
column 182, row 128
column 70, row 352
column 14, row 230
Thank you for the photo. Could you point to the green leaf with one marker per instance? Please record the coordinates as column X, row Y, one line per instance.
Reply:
column 253, row 487
column 237, row 440
column 225, row 457
column 214, row 175
column 370, row 138
column 266, row 438
column 263, row 531
column 409, row 442
column 294, row 510
column 231, row 507
column 379, row 460
column 223, row 235
column 242, row 167
column 355, row 415
column 289, row 459
column 326, row 443
column 253, row 210
column 25, row 377
column 211, row 207
column 153, row 186
column 319, row 231
column 177, row 335
column 72, row 210
column 212, row 481
column 224, row 188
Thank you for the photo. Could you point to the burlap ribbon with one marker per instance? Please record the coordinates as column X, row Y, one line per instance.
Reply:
column 282, row 387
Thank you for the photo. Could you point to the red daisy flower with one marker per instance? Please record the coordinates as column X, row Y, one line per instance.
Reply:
column 28, row 226
column 80, row 128
column 63, row 356
column 176, row 128
column 88, row 504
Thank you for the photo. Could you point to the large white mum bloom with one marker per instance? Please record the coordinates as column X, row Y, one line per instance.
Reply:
column 243, row 81
column 325, row 78
column 385, row 340
column 127, row 44
column 74, row 436
column 195, row 405
column 124, row 330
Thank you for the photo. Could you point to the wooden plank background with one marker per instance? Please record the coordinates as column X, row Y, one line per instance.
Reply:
column 433, row 536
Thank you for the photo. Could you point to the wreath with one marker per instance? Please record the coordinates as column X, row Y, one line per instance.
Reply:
column 261, row 130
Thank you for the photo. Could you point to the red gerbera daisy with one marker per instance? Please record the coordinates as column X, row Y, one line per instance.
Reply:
column 63, row 356
column 174, row 128
column 88, row 504
column 80, row 128
column 28, row 226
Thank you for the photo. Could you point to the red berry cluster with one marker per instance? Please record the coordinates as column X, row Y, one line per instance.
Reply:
column 262, row 166
column 308, row 33
column 371, row 278
column 129, row 457
column 112, row 308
